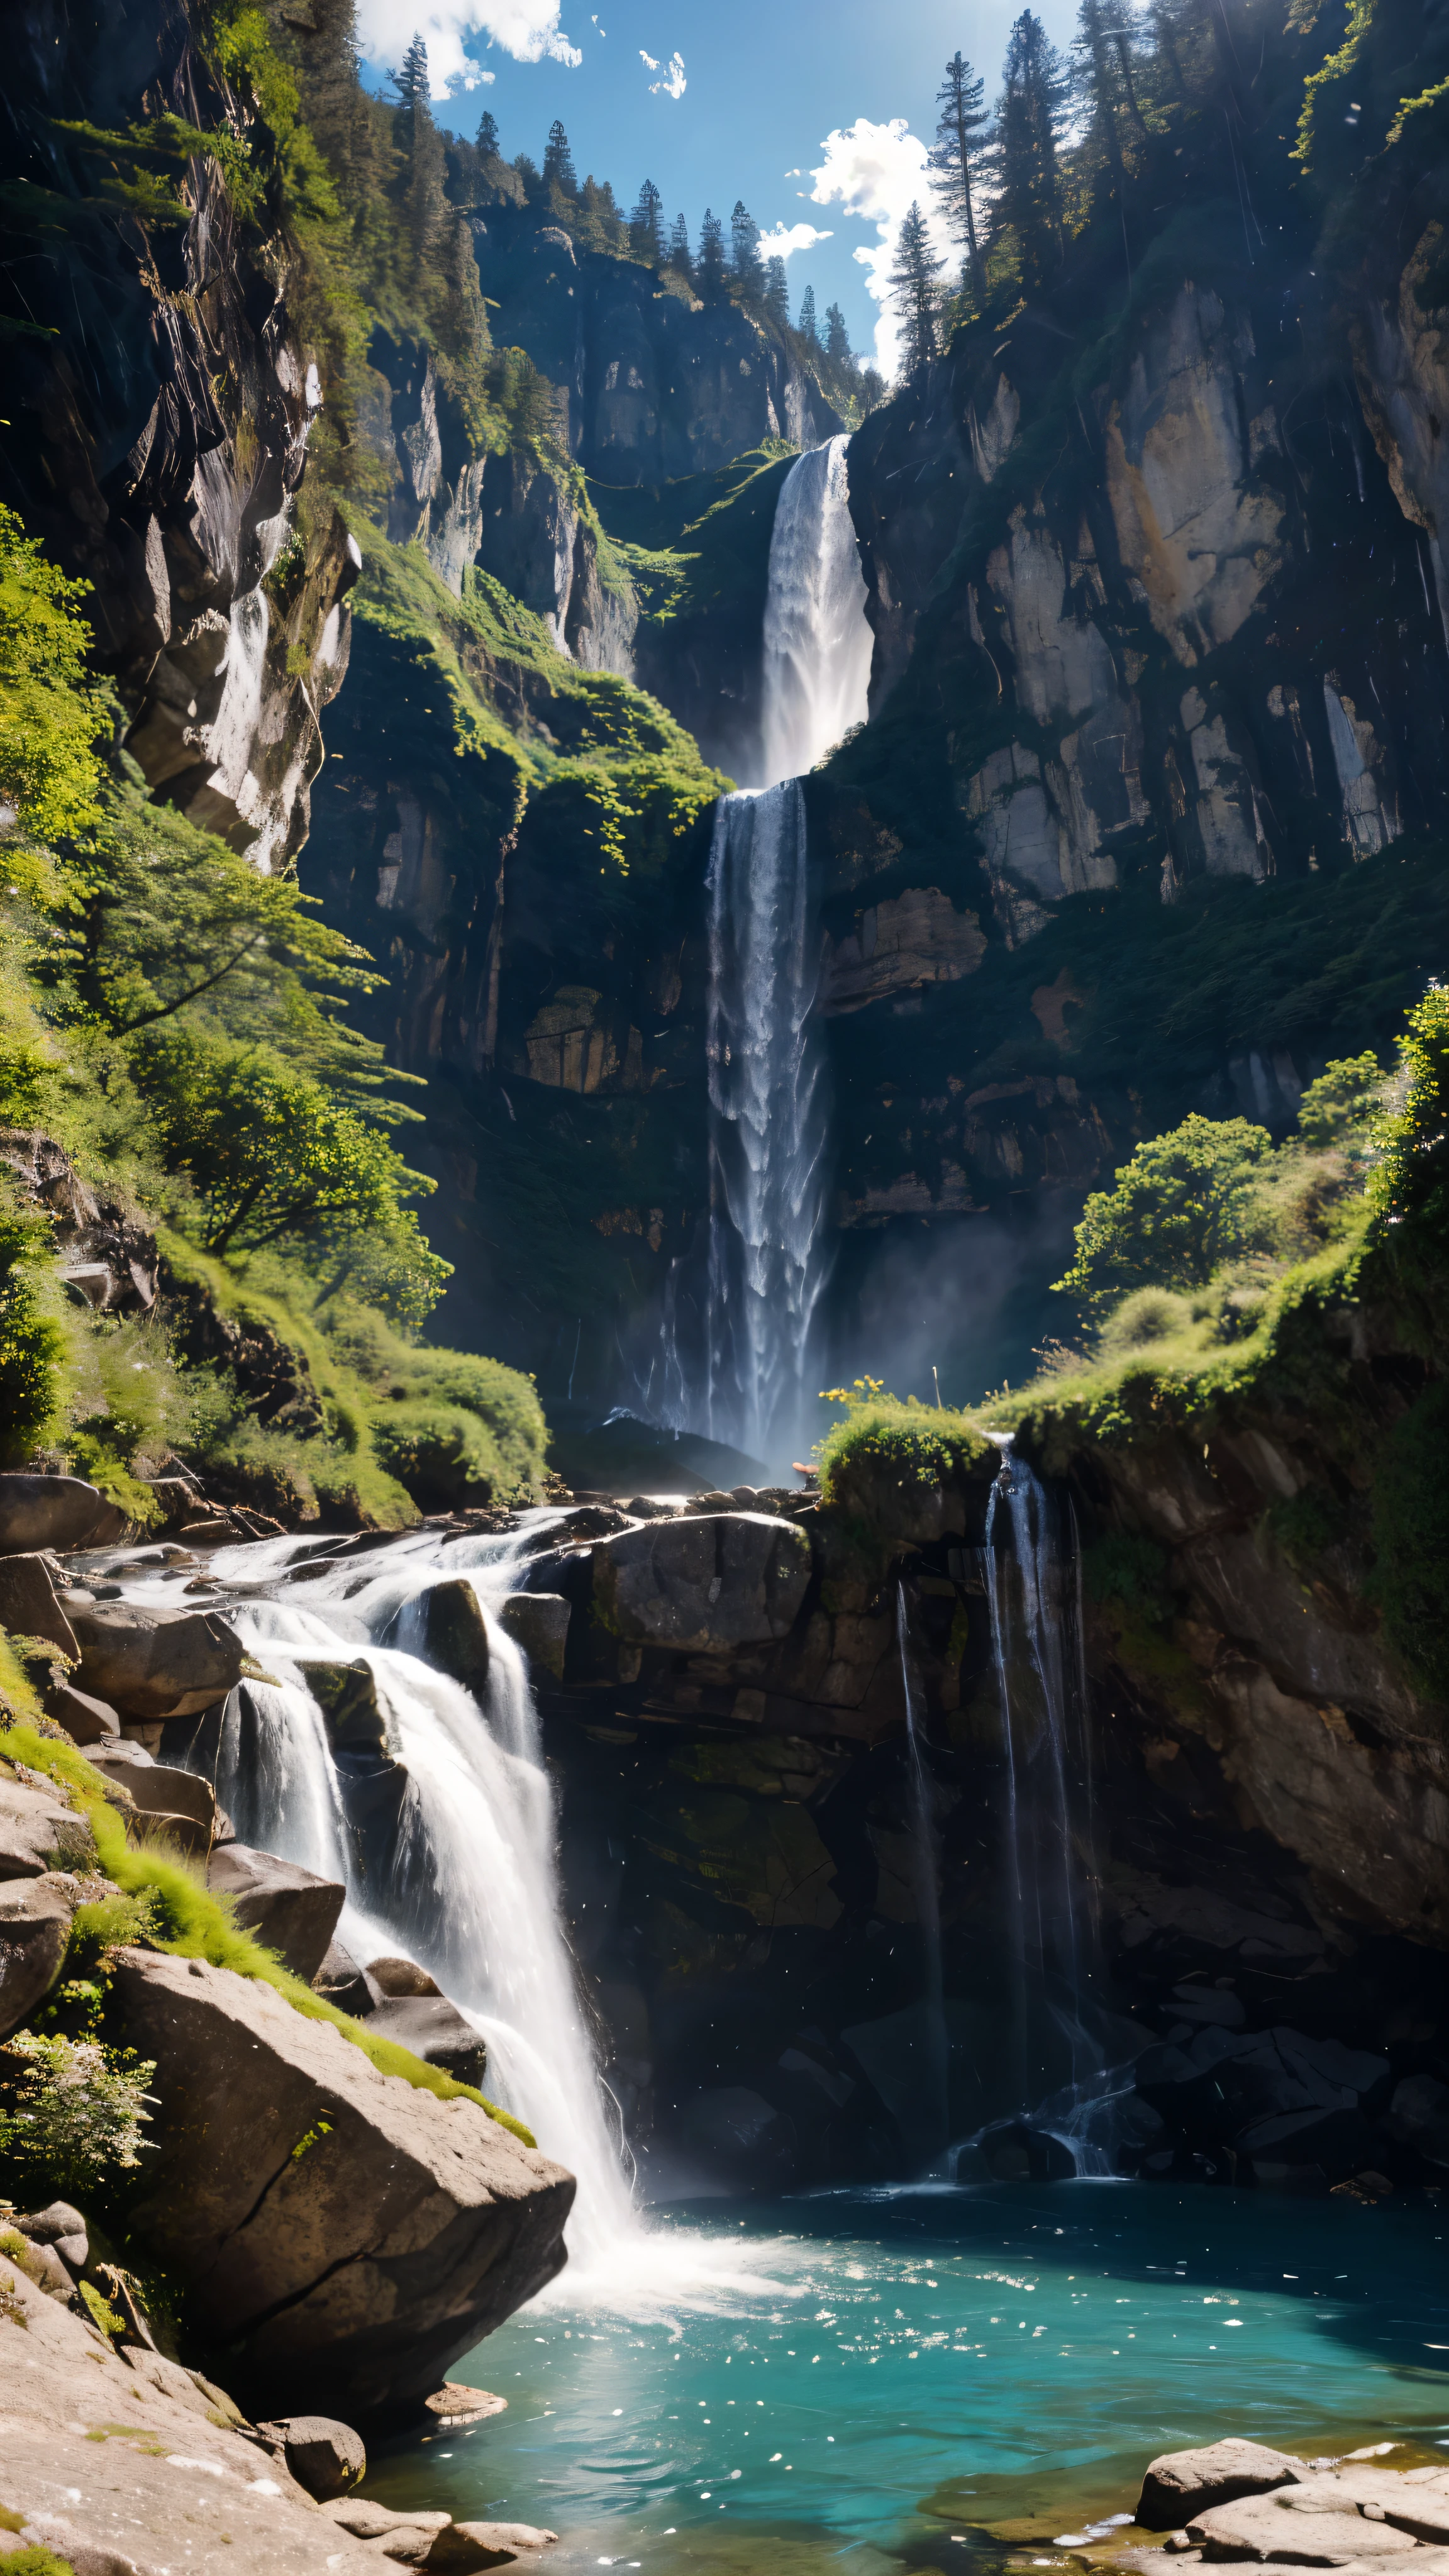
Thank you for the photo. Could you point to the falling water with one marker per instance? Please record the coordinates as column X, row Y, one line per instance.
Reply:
column 1034, row 1601
column 928, row 1891
column 817, row 641
column 767, row 1124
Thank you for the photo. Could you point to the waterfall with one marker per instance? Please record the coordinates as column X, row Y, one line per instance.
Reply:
column 767, row 1124
column 928, row 1887
column 817, row 641
column 463, row 1877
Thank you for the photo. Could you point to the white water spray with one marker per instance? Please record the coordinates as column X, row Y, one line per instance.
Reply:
column 767, row 1125
column 817, row 641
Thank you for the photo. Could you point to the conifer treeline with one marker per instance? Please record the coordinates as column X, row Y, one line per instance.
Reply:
column 1102, row 134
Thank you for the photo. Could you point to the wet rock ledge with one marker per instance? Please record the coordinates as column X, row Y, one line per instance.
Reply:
column 1239, row 2504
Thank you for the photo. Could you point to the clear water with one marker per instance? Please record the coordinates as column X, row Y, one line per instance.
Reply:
column 908, row 2377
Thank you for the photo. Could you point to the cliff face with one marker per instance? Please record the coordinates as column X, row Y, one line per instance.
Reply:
column 161, row 399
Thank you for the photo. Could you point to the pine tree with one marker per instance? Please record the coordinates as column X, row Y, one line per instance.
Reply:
column 679, row 252
column 837, row 338
column 488, row 136
column 412, row 82
column 1028, row 122
column 422, row 159
column 745, row 250
column 646, row 226
column 955, row 161
column 710, row 275
column 558, row 162
column 599, row 225
column 913, row 284
column 808, row 327
column 777, row 294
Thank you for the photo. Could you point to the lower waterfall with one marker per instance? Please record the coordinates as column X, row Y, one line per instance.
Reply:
column 767, row 1125
column 817, row 641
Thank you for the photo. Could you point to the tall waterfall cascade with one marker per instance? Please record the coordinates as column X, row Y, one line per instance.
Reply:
column 767, row 1124
column 817, row 641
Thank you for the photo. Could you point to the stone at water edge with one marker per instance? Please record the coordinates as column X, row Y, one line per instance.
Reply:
column 289, row 1910
column 325, row 2457
column 29, row 1606
column 343, row 2234
column 706, row 1584
column 539, row 1623
column 55, row 1511
column 158, row 1789
column 401, row 1977
column 434, row 2030
column 456, row 2403
column 154, row 1664
column 452, row 1632
column 1180, row 2483
column 345, row 1984
column 1258, row 2527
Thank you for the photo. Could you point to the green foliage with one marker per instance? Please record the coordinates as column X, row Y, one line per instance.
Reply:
column 51, row 712
column 1411, row 1540
column 1412, row 1179
column 1130, row 1570
column 36, row 2560
column 1337, row 1109
column 32, row 1346
column 76, row 2109
column 886, row 1448
column 1181, row 1207
column 187, row 1920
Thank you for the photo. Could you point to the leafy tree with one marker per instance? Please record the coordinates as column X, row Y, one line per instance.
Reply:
column 1180, row 1209
column 913, row 284
column 837, row 337
column 1412, row 1180
column 525, row 400
column 50, row 712
column 1337, row 1109
column 710, row 276
column 680, row 257
column 1028, row 125
column 956, row 159
column 777, row 293
column 809, row 328
column 32, row 1347
column 745, row 258
column 558, row 162
column 646, row 226
column 488, row 136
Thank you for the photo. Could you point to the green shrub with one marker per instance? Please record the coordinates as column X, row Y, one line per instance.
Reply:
column 887, row 1448
column 32, row 1345
column 1412, row 1179
column 1180, row 1208
column 76, row 2109
column 51, row 713
column 1338, row 1108
column 1411, row 1540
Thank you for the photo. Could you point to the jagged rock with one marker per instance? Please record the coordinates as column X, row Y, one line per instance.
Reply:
column 289, row 1910
column 40, row 1832
column 899, row 946
column 345, row 1984
column 86, row 1720
column 55, row 1511
column 159, row 1789
column 401, row 1977
column 155, row 1664
column 1181, row 2483
column 62, row 2227
column 35, row 1920
column 706, row 1584
column 451, row 1632
column 107, row 1256
column 28, row 1603
column 435, row 2030
column 433, row 2540
column 539, row 1623
column 325, row 2457
column 91, row 2442
column 1419, row 2116
column 348, row 2235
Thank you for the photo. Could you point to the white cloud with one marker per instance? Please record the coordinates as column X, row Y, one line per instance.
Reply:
column 527, row 29
column 876, row 172
column 649, row 61
column 791, row 237
column 673, row 83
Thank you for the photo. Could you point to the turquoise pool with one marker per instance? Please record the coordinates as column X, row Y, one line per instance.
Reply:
column 907, row 2377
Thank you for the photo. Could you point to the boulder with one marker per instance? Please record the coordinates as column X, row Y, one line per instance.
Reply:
column 401, row 1977
column 539, row 1623
column 434, row 2030
column 86, row 1720
column 344, row 2234
column 448, row 1629
column 28, row 1604
column 35, row 1919
column 63, row 2229
column 123, row 2464
column 158, row 1788
column 290, row 1910
column 155, row 1664
column 704, row 1584
column 1184, row 2482
column 40, row 1831
column 345, row 1984
column 347, row 1696
column 433, row 2540
column 1259, row 2527
column 55, row 1511
column 325, row 2457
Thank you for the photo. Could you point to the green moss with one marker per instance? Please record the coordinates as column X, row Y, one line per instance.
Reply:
column 1132, row 1572
column 913, row 1446
column 186, row 1920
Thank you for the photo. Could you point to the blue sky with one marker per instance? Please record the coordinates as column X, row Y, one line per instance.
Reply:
column 764, row 84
